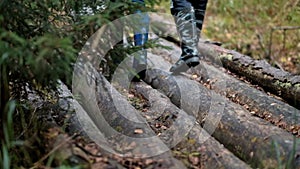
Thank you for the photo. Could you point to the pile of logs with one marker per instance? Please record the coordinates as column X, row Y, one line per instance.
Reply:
column 233, row 124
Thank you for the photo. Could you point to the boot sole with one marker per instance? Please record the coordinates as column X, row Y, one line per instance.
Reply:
column 185, row 65
column 192, row 62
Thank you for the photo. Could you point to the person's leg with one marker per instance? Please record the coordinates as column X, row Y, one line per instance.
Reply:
column 141, row 35
column 200, row 8
column 184, row 16
column 179, row 5
column 140, row 38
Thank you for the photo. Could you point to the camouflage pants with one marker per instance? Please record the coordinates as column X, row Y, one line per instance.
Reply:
column 189, row 16
column 198, row 5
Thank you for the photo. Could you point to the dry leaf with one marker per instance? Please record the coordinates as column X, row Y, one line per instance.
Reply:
column 138, row 131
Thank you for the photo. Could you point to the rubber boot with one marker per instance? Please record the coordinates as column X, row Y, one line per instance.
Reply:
column 189, row 34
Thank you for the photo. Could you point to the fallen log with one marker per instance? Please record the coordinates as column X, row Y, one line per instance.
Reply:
column 279, row 82
column 111, row 122
column 256, row 101
column 212, row 153
column 250, row 138
column 79, row 123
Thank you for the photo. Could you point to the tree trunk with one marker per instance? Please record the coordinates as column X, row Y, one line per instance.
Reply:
column 212, row 153
column 277, row 81
column 109, row 120
column 257, row 102
column 249, row 137
column 89, row 129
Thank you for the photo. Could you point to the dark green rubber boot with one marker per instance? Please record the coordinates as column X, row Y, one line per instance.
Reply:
column 189, row 34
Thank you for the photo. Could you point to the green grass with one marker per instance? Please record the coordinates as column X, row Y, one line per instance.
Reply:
column 246, row 26
column 7, row 143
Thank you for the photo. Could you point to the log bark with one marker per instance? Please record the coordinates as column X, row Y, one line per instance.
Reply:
column 111, row 122
column 250, row 138
column 256, row 101
column 212, row 153
column 79, row 122
column 277, row 112
column 279, row 82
